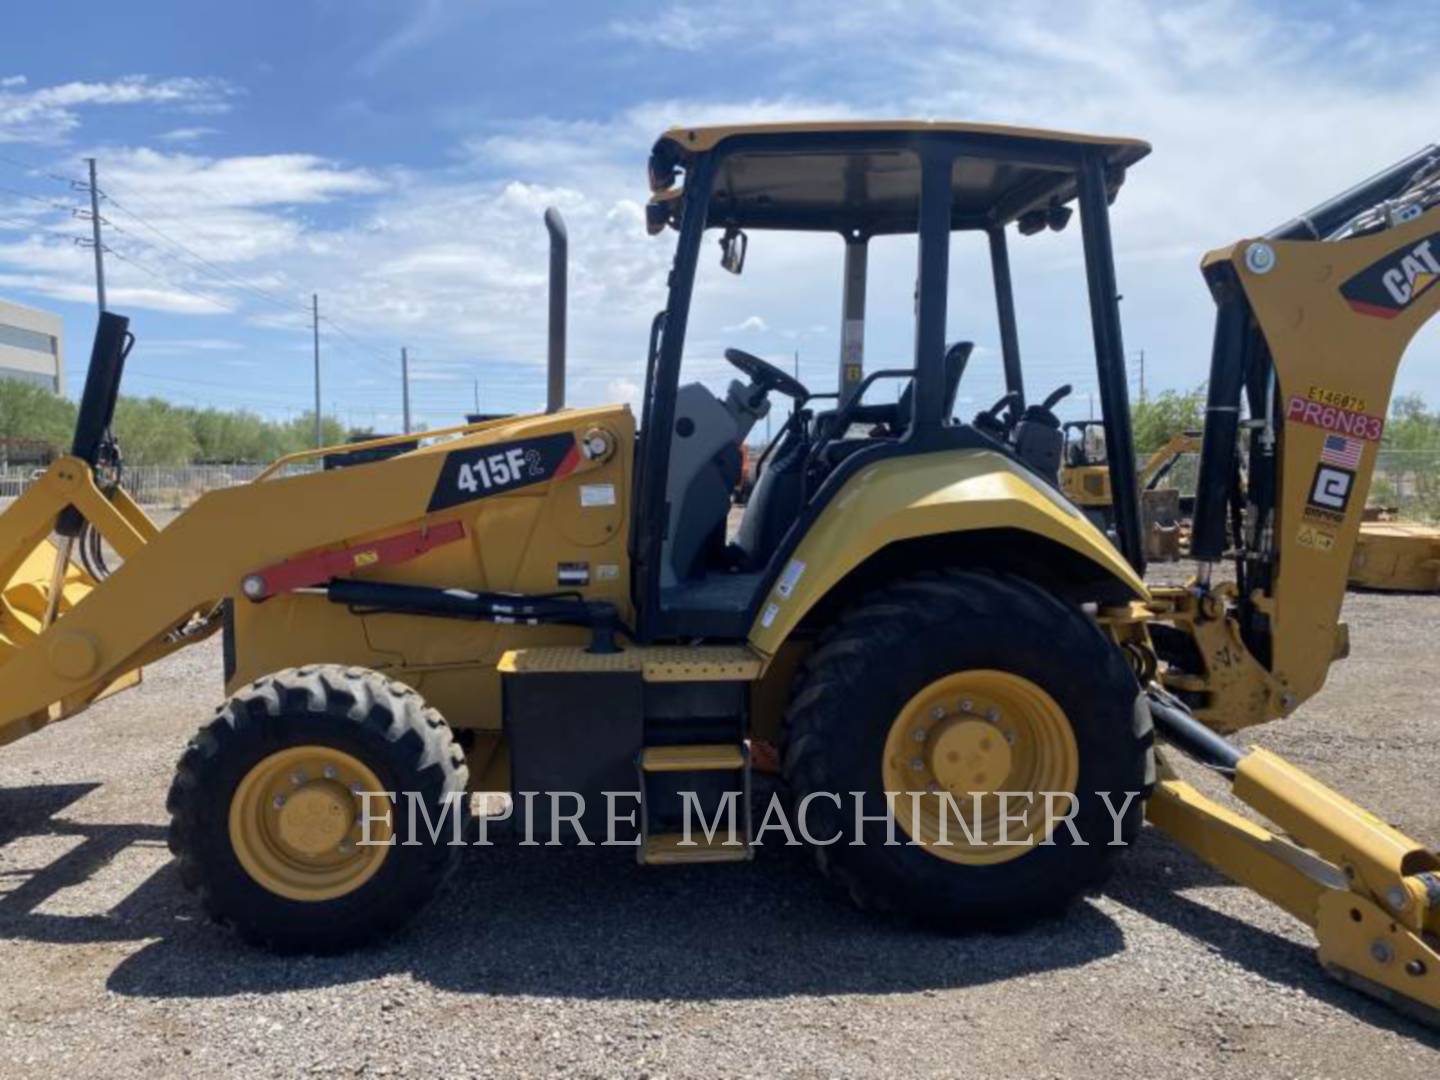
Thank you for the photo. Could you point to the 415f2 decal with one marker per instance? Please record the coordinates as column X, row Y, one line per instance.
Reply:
column 479, row 471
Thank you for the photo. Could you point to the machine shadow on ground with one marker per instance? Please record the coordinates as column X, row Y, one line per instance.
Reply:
column 589, row 923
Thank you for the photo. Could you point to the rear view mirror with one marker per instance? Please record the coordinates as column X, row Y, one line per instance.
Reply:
column 732, row 250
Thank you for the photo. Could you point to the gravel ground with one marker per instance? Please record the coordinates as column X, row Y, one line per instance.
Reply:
column 578, row 962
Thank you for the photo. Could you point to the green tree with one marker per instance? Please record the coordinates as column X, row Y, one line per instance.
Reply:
column 300, row 432
column 1408, row 472
column 154, row 432
column 30, row 411
column 1155, row 420
column 1411, row 425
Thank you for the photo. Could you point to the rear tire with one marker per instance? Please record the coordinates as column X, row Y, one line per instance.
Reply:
column 888, row 653
column 264, row 810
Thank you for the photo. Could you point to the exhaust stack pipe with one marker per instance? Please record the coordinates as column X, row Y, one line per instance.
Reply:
column 559, row 258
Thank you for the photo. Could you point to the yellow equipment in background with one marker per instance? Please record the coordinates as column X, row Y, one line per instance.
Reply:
column 917, row 616
column 1396, row 556
column 1085, row 480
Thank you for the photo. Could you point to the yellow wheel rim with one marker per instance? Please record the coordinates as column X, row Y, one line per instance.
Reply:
column 974, row 735
column 296, row 823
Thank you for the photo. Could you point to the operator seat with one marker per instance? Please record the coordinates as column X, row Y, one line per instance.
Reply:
column 895, row 418
column 775, row 500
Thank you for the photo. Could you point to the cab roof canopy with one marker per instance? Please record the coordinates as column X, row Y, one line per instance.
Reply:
column 865, row 176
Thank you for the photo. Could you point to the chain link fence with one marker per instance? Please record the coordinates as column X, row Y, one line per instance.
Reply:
column 1408, row 482
column 162, row 486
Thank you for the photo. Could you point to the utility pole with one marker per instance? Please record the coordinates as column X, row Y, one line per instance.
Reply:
column 405, row 386
column 1142, row 374
column 95, row 237
column 315, row 325
column 477, row 396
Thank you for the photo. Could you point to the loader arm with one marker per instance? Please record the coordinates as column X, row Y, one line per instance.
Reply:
column 168, row 591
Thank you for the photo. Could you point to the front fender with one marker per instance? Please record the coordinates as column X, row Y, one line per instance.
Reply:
column 902, row 498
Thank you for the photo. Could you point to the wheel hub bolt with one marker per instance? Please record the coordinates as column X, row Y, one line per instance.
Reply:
column 297, row 778
column 279, row 801
column 917, row 764
column 329, row 772
column 937, row 713
column 966, row 705
column 992, row 714
column 919, row 735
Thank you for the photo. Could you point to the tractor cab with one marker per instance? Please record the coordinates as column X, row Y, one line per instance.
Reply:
column 857, row 182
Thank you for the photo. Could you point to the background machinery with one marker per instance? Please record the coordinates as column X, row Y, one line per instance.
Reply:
column 910, row 608
column 1085, row 480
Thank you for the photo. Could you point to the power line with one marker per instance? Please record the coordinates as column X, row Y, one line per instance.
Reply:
column 31, row 169
column 49, row 203
column 217, row 271
column 27, row 226
column 158, row 276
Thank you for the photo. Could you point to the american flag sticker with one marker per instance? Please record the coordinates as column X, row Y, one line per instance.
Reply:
column 1342, row 451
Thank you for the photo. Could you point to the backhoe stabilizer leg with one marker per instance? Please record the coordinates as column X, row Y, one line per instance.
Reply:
column 1371, row 895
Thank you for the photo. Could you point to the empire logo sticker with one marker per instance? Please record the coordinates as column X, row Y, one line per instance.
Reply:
column 478, row 472
column 1386, row 288
column 1330, row 490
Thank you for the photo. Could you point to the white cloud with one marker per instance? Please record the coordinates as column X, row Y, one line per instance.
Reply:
column 235, row 217
column 752, row 322
column 423, row 22
column 48, row 113
column 186, row 345
column 682, row 28
column 623, row 391
column 1254, row 116
column 187, row 134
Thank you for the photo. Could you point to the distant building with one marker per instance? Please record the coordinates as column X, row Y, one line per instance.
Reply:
column 31, row 346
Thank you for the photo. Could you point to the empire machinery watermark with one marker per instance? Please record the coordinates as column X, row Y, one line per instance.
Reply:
column 989, row 819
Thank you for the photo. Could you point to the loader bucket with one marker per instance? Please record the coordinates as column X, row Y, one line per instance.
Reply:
column 25, row 597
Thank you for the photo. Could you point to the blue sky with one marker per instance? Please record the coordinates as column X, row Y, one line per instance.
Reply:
column 395, row 157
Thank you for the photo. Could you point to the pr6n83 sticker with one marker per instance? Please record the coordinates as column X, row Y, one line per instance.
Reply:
column 1361, row 425
column 477, row 472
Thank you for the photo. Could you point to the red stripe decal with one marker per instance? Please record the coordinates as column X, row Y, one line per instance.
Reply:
column 1361, row 307
column 568, row 462
column 321, row 567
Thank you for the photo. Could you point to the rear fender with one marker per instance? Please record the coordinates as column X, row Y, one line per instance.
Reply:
column 929, row 496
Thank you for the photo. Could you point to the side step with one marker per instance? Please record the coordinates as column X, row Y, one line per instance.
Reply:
column 670, row 849
column 663, row 773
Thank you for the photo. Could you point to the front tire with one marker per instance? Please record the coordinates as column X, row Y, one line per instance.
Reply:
column 972, row 684
column 268, row 820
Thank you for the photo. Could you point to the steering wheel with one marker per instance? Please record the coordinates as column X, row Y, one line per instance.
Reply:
column 766, row 376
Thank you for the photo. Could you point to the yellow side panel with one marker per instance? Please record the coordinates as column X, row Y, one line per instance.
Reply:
column 514, row 542
column 950, row 491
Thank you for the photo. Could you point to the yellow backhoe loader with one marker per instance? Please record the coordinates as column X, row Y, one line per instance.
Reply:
column 1085, row 480
column 910, row 609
